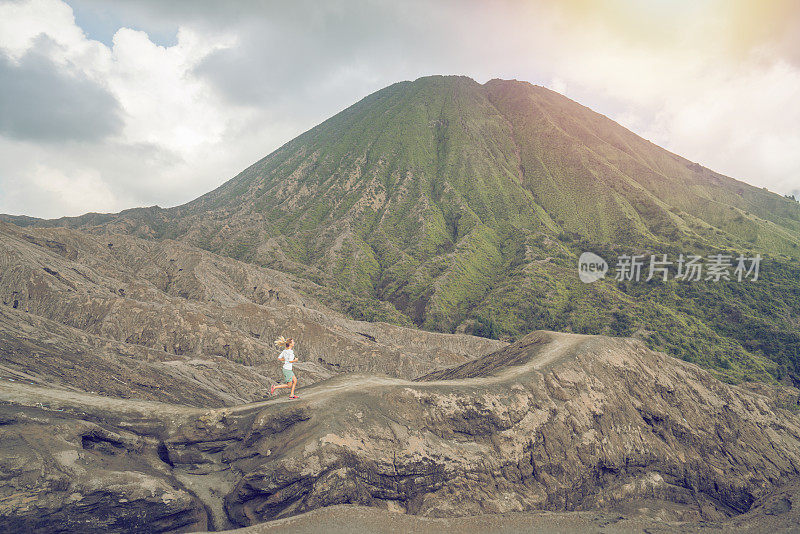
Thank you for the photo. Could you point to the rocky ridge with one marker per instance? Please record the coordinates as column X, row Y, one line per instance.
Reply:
column 553, row 422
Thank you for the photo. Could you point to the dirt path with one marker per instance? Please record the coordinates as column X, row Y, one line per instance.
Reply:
column 76, row 402
column 560, row 347
column 344, row 519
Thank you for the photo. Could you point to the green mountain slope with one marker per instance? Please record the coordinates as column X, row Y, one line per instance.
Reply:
column 457, row 206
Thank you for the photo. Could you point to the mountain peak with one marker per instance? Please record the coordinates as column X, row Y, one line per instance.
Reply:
column 459, row 206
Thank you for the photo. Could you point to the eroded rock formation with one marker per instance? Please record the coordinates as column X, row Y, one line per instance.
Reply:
column 163, row 321
column 554, row 421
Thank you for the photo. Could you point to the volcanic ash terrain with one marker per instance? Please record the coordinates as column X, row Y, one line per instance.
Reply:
column 552, row 422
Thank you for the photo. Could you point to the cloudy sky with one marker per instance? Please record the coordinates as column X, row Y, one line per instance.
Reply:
column 106, row 106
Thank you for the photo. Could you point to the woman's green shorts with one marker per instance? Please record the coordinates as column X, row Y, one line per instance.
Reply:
column 288, row 374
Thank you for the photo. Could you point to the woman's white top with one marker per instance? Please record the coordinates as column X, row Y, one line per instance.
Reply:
column 288, row 358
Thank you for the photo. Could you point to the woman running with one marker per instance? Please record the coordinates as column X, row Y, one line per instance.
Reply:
column 287, row 357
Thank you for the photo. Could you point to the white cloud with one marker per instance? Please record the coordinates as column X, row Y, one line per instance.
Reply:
column 50, row 188
column 79, row 191
column 174, row 124
column 22, row 22
column 559, row 85
column 165, row 103
column 743, row 123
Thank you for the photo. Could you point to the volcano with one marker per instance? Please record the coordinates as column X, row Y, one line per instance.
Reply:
column 455, row 206
column 455, row 373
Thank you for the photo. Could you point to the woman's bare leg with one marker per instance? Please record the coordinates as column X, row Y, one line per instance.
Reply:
column 286, row 385
column 294, row 383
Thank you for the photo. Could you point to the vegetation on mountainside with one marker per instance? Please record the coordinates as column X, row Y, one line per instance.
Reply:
column 456, row 206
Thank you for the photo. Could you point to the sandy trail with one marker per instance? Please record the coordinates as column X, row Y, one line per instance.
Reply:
column 561, row 346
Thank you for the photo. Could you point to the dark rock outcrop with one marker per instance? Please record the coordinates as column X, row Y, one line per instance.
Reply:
column 553, row 422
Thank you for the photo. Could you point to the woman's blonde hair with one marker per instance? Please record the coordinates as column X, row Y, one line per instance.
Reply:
column 284, row 341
